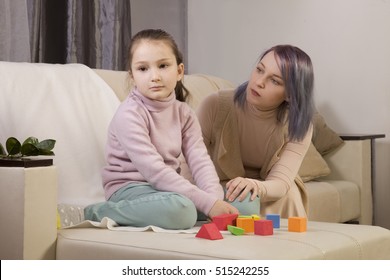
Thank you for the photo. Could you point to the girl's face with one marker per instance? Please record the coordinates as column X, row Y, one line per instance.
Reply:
column 154, row 69
column 266, row 89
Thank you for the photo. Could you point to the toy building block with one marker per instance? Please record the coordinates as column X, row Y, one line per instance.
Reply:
column 222, row 221
column 297, row 224
column 255, row 217
column 246, row 223
column 264, row 227
column 275, row 218
column 235, row 230
column 209, row 231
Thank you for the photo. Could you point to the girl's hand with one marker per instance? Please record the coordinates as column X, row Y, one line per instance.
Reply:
column 239, row 188
column 222, row 207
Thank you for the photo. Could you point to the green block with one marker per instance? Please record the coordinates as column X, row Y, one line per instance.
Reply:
column 235, row 230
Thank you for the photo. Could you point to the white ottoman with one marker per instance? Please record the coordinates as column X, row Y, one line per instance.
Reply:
column 321, row 241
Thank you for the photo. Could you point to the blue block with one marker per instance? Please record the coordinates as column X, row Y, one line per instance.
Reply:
column 275, row 218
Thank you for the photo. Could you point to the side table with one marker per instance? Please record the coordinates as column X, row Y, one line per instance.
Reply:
column 371, row 138
column 28, row 197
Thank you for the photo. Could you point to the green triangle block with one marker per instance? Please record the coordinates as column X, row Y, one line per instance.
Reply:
column 235, row 230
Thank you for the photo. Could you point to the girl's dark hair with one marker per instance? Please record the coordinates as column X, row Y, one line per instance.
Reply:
column 297, row 73
column 181, row 91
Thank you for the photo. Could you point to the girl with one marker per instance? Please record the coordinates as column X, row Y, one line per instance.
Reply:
column 148, row 133
column 266, row 122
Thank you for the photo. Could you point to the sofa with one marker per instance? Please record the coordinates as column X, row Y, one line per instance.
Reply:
column 73, row 104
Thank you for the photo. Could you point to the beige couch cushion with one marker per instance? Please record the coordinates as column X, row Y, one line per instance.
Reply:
column 313, row 165
column 333, row 200
column 119, row 81
column 199, row 85
column 324, row 138
column 324, row 141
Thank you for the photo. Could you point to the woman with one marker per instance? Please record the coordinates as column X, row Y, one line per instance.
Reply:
column 258, row 134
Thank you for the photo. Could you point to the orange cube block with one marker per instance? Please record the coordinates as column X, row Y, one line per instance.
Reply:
column 297, row 224
column 247, row 223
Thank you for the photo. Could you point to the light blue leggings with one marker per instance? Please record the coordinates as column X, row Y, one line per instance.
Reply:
column 141, row 205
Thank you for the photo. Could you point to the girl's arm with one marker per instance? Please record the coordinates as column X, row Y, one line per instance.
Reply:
column 198, row 159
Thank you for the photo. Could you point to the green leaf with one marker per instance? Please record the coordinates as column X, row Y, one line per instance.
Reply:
column 13, row 146
column 29, row 149
column 47, row 144
column 2, row 151
column 46, row 153
column 31, row 140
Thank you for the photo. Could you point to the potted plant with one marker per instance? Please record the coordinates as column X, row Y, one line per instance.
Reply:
column 17, row 154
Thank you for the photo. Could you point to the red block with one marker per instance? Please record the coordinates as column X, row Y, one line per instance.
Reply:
column 209, row 231
column 264, row 227
column 224, row 220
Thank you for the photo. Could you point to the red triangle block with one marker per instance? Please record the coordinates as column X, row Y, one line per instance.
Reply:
column 224, row 220
column 209, row 231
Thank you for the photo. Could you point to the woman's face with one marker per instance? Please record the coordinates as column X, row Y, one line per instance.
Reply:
column 266, row 88
column 154, row 69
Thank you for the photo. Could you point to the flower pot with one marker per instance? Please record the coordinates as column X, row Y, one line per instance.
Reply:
column 25, row 162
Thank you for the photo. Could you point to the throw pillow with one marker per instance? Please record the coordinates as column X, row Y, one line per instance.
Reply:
column 313, row 165
column 324, row 138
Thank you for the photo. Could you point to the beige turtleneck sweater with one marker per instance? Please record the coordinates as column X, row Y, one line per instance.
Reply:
column 263, row 148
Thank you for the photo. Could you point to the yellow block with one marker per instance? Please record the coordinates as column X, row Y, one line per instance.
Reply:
column 256, row 217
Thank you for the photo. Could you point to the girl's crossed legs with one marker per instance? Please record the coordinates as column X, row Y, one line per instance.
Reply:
column 141, row 205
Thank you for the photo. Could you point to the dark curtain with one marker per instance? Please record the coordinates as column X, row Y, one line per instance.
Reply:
column 14, row 31
column 95, row 32
column 54, row 27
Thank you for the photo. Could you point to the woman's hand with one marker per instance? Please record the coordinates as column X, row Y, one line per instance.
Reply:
column 222, row 207
column 239, row 187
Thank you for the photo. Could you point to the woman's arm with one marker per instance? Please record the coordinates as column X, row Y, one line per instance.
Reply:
column 283, row 173
column 280, row 178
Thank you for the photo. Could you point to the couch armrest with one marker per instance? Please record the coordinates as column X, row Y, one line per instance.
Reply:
column 354, row 161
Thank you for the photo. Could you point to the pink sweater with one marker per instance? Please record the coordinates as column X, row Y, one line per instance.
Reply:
column 145, row 140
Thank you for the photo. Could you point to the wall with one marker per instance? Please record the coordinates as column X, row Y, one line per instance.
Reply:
column 169, row 15
column 348, row 41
